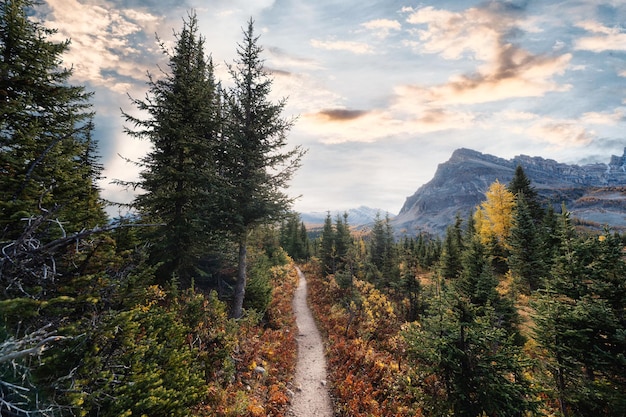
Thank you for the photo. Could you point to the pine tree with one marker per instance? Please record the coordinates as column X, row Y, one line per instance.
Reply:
column 450, row 261
column 580, row 323
column 343, row 240
column 179, row 176
column 383, row 254
column 327, row 247
column 142, row 361
column 258, row 168
column 521, row 184
column 49, row 205
column 47, row 159
column 464, row 364
column 294, row 238
column 526, row 258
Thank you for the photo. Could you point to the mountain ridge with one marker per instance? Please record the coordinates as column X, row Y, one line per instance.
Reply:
column 360, row 216
column 594, row 193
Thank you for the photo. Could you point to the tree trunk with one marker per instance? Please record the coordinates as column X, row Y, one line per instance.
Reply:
column 240, row 287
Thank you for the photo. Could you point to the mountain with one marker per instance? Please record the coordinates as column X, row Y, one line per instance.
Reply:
column 595, row 193
column 356, row 217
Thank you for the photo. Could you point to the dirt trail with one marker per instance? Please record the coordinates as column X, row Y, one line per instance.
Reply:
column 311, row 398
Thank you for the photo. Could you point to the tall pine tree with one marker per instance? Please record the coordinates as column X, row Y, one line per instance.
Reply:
column 526, row 257
column 48, row 194
column 182, row 188
column 47, row 161
column 259, row 168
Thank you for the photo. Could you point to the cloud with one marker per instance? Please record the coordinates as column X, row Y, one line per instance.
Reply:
column 282, row 58
column 512, row 76
column 341, row 114
column 108, row 46
column 382, row 27
column 334, row 126
column 605, row 38
column 508, row 71
column 561, row 133
column 453, row 34
column 359, row 48
column 517, row 115
column 603, row 118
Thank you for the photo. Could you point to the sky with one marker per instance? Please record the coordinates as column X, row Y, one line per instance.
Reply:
column 383, row 91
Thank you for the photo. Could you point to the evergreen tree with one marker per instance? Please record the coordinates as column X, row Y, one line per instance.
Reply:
column 343, row 240
column 258, row 167
column 327, row 247
column 521, row 185
column 477, row 283
column 464, row 364
column 378, row 243
column 48, row 153
column 548, row 231
column 383, row 254
column 304, row 237
column 182, row 190
column 411, row 285
column 450, row 262
column 51, row 275
column 580, row 322
column 526, row 258
column 294, row 238
column 144, row 360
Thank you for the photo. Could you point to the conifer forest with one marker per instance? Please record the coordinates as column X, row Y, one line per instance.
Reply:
column 182, row 307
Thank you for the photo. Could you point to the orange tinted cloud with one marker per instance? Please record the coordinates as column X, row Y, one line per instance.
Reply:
column 508, row 71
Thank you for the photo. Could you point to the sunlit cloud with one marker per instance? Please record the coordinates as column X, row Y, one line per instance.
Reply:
column 561, row 133
column 508, row 71
column 281, row 58
column 334, row 126
column 603, row 118
column 104, row 48
column 517, row 115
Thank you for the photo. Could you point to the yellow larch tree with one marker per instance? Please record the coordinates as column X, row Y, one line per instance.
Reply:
column 494, row 217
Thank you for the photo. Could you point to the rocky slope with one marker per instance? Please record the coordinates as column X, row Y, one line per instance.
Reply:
column 594, row 193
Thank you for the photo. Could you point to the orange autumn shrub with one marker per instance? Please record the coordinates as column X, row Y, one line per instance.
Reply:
column 360, row 327
column 264, row 358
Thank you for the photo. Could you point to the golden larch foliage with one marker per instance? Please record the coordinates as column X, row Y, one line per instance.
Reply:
column 494, row 217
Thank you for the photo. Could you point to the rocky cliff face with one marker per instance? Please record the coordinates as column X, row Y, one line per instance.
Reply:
column 594, row 193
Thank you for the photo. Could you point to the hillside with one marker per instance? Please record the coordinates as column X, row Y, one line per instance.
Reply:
column 595, row 193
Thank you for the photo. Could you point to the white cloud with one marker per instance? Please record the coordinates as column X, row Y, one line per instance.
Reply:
column 603, row 118
column 452, row 34
column 382, row 27
column 606, row 38
column 517, row 115
column 359, row 48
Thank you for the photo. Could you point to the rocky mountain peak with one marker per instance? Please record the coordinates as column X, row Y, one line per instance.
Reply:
column 618, row 163
column 595, row 193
